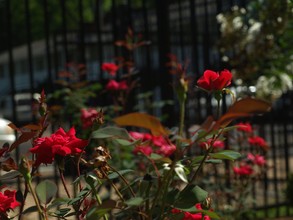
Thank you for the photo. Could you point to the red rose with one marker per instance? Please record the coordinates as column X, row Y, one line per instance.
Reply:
column 217, row 144
column 258, row 141
column 146, row 150
column 60, row 143
column 112, row 85
column 243, row 170
column 8, row 201
column 245, row 127
column 212, row 81
column 88, row 116
column 110, row 68
column 123, row 85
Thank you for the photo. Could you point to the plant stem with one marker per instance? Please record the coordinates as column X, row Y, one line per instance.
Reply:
column 29, row 184
column 63, row 182
column 124, row 180
column 114, row 186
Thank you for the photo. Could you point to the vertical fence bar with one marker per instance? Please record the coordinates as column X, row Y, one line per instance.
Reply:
column 163, row 34
column 81, row 38
column 274, row 154
column 206, row 52
column 29, row 49
column 64, row 31
column 181, row 33
column 114, row 27
column 47, row 43
column 145, row 77
column 130, row 12
column 11, row 74
column 99, row 39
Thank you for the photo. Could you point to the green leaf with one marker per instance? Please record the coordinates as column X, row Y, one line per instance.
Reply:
column 214, row 161
column 62, row 212
column 58, row 202
column 108, row 132
column 121, row 172
column 46, row 190
column 190, row 196
column 8, row 176
column 196, row 160
column 136, row 201
column 124, row 142
column 30, row 209
column 226, row 154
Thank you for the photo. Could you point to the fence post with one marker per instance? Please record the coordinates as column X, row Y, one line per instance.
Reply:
column 164, row 79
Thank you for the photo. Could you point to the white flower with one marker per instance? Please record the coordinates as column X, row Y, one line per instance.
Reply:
column 237, row 23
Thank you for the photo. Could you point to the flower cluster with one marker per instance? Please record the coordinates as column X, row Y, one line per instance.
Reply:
column 253, row 158
column 153, row 144
column 192, row 216
column 113, row 85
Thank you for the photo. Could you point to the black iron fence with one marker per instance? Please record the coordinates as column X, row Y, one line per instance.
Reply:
column 39, row 37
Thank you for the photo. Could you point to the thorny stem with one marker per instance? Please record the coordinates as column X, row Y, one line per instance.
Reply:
column 63, row 182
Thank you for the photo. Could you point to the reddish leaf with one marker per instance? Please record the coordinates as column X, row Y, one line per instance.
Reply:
column 24, row 137
column 243, row 108
column 13, row 126
column 142, row 120
column 9, row 165
column 32, row 127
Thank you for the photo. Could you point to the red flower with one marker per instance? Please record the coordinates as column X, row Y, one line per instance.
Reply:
column 245, row 127
column 212, row 81
column 146, row 150
column 256, row 159
column 88, row 116
column 123, row 85
column 243, row 170
column 8, row 201
column 59, row 143
column 258, row 141
column 142, row 136
column 217, row 144
column 110, row 68
column 192, row 216
column 112, row 85
column 165, row 148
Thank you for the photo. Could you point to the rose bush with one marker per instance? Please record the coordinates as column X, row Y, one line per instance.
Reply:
column 147, row 170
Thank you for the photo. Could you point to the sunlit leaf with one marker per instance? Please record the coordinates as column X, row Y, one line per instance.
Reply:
column 9, row 176
column 121, row 172
column 142, row 120
column 226, row 154
column 46, row 190
column 181, row 174
column 136, row 201
column 108, row 132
